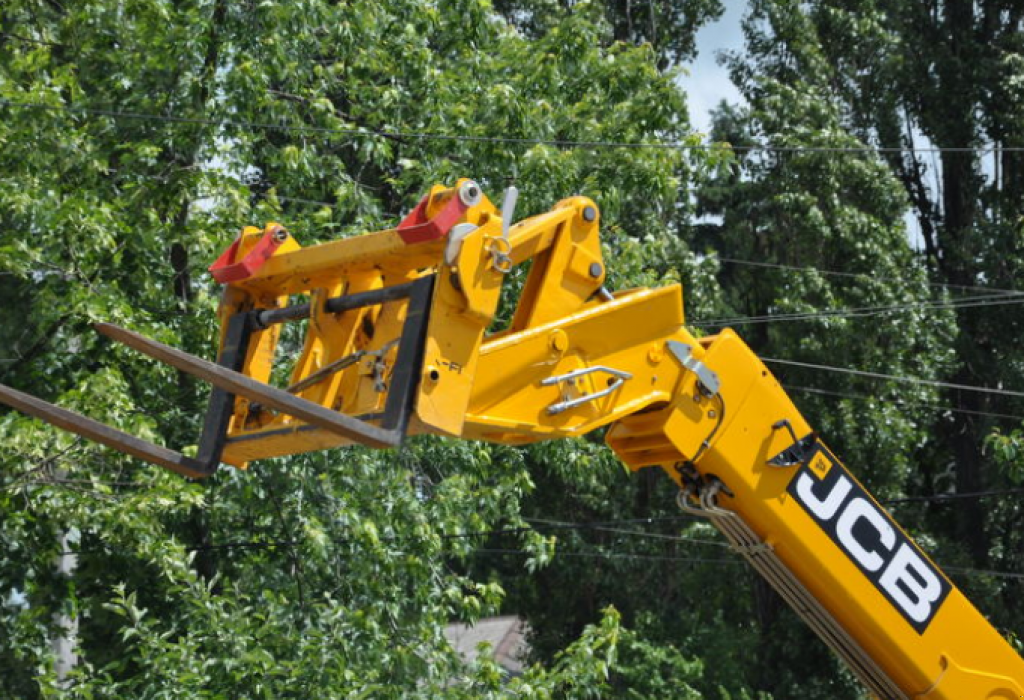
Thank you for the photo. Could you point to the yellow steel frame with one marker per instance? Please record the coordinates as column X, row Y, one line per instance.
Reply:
column 617, row 369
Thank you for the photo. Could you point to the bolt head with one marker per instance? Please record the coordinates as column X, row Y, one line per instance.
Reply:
column 596, row 270
column 470, row 193
column 589, row 213
column 559, row 342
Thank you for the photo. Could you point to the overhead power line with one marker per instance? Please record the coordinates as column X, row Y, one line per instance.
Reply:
column 983, row 572
column 311, row 202
column 544, row 523
column 858, row 275
column 621, row 531
column 865, row 311
column 903, row 402
column 967, row 496
column 584, row 525
column 507, row 140
column 895, row 378
column 605, row 554
column 631, row 521
column 598, row 554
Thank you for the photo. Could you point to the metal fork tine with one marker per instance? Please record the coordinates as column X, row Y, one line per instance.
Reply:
column 102, row 433
column 241, row 385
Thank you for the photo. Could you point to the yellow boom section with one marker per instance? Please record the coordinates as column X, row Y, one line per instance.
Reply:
column 400, row 339
column 805, row 523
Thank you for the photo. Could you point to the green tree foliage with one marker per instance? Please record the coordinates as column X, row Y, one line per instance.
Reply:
column 798, row 215
column 834, row 76
column 669, row 27
column 949, row 75
column 824, row 82
column 137, row 137
column 946, row 75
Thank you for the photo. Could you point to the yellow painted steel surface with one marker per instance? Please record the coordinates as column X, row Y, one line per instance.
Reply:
column 399, row 336
column 573, row 359
column 509, row 404
column 958, row 656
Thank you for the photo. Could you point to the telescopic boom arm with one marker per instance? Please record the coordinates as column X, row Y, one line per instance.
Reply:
column 399, row 342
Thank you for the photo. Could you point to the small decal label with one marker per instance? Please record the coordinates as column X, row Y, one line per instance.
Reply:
column 869, row 537
column 450, row 366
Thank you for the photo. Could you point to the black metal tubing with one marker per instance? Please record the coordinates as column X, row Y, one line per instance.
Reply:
column 291, row 430
column 405, row 377
column 372, row 297
column 222, row 403
column 267, row 317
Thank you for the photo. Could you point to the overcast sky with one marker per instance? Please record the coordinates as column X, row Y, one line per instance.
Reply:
column 708, row 82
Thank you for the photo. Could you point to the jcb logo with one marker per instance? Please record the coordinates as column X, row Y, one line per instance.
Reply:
column 890, row 560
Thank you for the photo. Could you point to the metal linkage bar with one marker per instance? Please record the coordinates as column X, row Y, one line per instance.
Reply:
column 559, row 407
column 398, row 406
column 401, row 392
column 336, row 305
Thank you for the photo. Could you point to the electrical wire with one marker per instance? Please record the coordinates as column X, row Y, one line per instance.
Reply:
column 636, row 533
column 618, row 555
column 944, row 497
column 272, row 544
column 311, row 202
column 895, row 378
column 904, row 402
column 859, row 275
column 604, row 554
column 506, row 140
column 542, row 522
column 935, row 498
column 983, row 572
column 601, row 554
column 865, row 311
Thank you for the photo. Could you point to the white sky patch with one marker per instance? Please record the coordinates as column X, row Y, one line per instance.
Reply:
column 708, row 81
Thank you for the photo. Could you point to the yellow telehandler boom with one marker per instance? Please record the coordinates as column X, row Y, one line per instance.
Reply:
column 397, row 344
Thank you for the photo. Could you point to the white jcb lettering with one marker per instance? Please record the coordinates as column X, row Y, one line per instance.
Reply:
column 824, row 509
column 860, row 509
column 911, row 583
